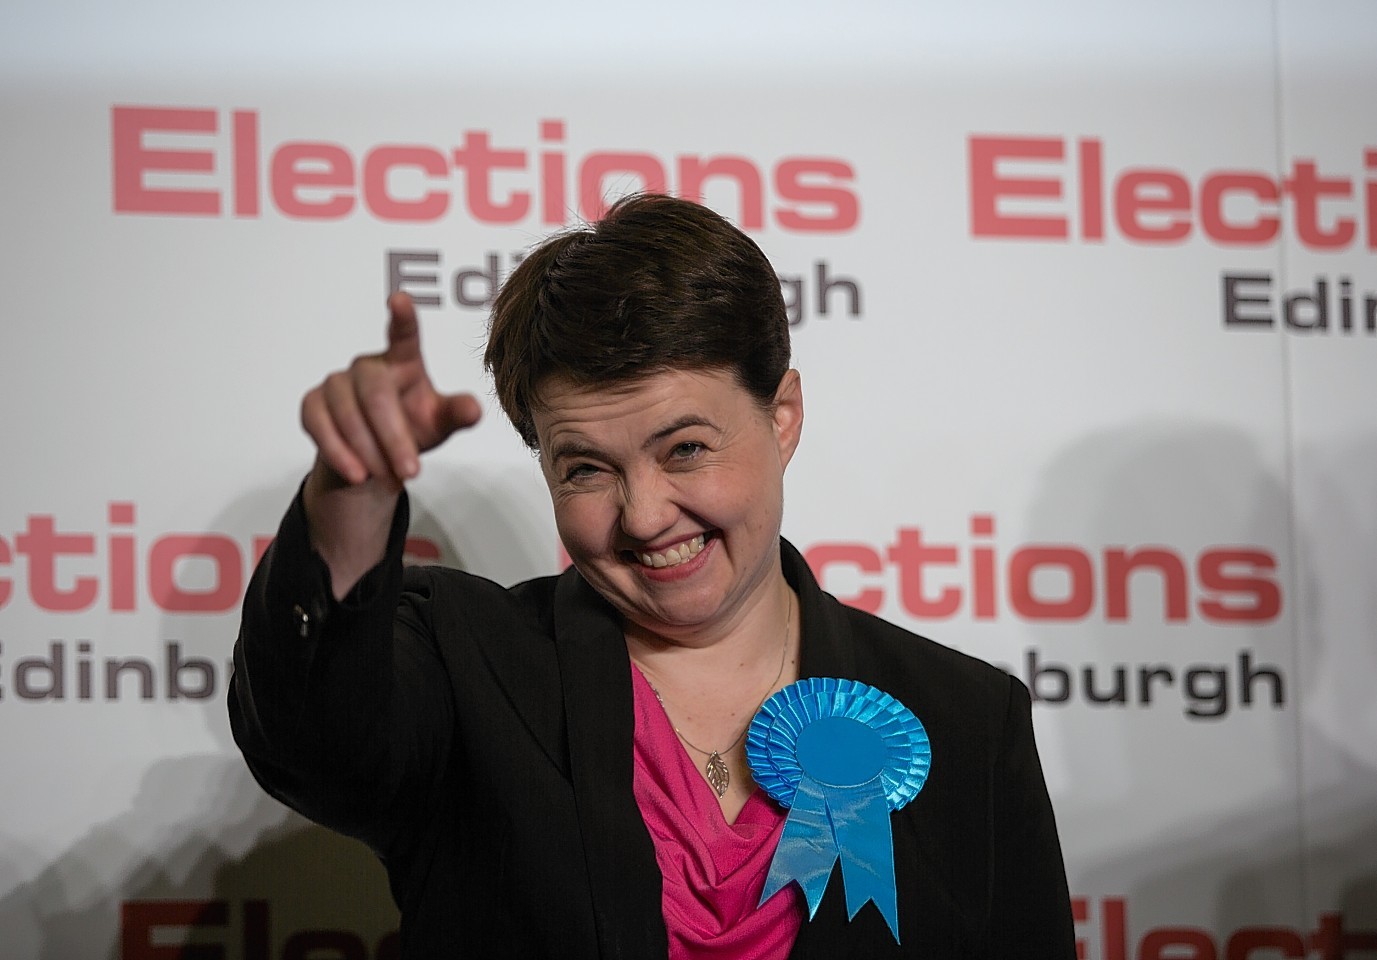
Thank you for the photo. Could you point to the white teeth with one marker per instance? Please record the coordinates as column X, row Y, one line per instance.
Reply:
column 674, row 556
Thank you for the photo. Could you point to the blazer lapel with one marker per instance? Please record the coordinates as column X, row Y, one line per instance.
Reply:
column 595, row 672
column 827, row 648
column 519, row 655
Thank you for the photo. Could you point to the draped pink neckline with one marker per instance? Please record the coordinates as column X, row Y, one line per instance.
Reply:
column 713, row 871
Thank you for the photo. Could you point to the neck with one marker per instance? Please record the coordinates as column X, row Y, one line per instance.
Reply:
column 752, row 637
column 709, row 687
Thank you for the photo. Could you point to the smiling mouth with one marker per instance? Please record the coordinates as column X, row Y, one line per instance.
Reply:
column 674, row 556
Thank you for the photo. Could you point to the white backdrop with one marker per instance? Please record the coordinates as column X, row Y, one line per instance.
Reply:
column 1086, row 312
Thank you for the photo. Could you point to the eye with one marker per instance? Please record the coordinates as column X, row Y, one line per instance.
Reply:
column 580, row 471
column 686, row 450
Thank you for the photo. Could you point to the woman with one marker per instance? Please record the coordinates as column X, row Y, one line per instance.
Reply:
column 559, row 769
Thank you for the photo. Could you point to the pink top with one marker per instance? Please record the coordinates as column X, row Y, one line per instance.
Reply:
column 713, row 871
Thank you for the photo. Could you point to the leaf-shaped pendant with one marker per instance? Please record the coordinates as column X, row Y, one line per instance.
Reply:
column 718, row 774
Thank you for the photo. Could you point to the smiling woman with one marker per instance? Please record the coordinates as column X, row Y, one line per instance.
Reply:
column 560, row 768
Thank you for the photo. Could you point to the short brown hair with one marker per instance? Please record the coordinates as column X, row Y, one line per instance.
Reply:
column 657, row 284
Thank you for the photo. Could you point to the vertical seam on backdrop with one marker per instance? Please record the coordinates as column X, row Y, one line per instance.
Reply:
column 1289, row 479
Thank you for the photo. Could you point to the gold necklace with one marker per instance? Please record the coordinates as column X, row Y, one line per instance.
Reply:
column 716, row 770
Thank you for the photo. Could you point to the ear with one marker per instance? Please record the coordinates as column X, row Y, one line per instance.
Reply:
column 788, row 415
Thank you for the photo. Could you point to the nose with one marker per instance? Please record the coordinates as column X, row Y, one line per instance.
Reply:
column 648, row 507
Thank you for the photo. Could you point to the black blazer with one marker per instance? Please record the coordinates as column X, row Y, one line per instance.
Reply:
column 480, row 740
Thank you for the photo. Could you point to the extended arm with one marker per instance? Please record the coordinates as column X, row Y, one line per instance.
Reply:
column 338, row 699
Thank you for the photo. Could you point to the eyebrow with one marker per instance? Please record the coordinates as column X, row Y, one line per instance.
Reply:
column 575, row 449
column 669, row 429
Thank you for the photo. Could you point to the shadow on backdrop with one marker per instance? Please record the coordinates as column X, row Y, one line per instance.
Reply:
column 1271, row 817
column 258, row 880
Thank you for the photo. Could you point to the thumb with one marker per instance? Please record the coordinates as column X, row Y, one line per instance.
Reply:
column 456, row 412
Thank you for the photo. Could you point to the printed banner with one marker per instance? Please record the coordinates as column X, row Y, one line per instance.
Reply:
column 1084, row 301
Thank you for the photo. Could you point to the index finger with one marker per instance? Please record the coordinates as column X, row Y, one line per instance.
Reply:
column 403, row 330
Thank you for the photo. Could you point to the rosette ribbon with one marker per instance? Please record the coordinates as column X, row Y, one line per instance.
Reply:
column 841, row 755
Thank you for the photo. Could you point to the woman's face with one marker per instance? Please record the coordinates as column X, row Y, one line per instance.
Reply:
column 668, row 493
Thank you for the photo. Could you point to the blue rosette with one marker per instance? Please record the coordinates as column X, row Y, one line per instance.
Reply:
column 841, row 755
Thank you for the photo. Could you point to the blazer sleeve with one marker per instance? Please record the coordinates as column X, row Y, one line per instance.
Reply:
column 342, row 709
column 1030, row 906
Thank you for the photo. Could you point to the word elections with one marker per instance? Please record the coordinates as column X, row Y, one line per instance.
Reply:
column 818, row 292
column 246, row 932
column 1247, row 301
column 1045, row 582
column 224, row 929
column 178, row 572
column 198, row 162
column 1103, row 934
column 1020, row 188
